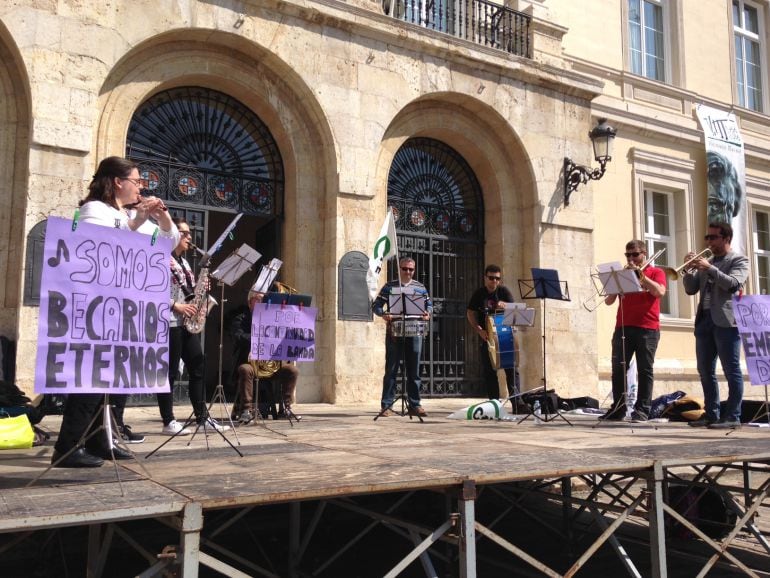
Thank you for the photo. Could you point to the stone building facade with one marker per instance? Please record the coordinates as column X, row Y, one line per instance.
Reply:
column 347, row 97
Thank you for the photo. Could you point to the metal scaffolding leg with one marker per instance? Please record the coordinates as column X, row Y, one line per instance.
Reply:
column 192, row 523
column 467, row 507
column 656, row 522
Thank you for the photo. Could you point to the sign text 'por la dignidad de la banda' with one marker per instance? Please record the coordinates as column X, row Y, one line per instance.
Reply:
column 104, row 311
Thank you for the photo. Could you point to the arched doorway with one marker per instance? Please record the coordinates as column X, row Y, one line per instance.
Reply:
column 439, row 212
column 210, row 157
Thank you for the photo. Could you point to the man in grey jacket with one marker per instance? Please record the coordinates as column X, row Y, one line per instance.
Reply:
column 717, row 279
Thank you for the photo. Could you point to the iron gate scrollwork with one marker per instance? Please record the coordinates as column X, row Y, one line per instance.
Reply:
column 438, row 208
column 199, row 146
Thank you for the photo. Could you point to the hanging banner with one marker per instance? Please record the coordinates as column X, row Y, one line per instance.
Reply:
column 726, row 172
column 752, row 315
column 104, row 307
column 283, row 332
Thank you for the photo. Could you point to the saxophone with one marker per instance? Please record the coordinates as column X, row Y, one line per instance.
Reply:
column 203, row 303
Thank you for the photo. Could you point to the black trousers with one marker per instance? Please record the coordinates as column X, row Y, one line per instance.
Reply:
column 643, row 343
column 186, row 346
column 79, row 410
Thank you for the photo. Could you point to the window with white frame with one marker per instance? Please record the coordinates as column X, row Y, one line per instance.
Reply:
column 749, row 64
column 647, row 38
column 762, row 251
column 659, row 234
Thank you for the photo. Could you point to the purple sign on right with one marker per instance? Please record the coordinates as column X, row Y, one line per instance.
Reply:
column 752, row 315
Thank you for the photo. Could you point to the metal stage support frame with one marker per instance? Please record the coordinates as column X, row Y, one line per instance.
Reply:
column 616, row 508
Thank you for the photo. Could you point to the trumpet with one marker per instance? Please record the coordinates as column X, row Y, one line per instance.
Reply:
column 674, row 273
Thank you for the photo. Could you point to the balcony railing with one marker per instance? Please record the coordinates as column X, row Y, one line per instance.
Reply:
column 479, row 21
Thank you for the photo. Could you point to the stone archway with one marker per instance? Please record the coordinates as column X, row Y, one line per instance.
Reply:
column 14, row 155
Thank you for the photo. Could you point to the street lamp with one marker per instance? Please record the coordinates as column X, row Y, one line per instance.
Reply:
column 601, row 137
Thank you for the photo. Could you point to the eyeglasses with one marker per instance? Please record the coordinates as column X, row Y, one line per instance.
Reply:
column 185, row 234
column 137, row 182
column 712, row 237
column 634, row 254
column 493, row 278
column 407, row 268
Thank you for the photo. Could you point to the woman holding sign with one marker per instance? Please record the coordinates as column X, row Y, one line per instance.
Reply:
column 114, row 200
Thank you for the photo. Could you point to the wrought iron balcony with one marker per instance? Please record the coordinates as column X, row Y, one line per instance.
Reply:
column 476, row 20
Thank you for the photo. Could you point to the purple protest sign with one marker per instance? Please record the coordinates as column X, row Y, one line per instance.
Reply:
column 104, row 307
column 283, row 332
column 752, row 315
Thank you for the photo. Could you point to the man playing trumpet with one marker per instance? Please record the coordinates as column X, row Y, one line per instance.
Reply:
column 716, row 335
column 638, row 325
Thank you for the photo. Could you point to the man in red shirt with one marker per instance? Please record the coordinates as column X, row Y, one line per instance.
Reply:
column 638, row 320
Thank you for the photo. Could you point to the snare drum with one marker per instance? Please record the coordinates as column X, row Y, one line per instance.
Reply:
column 408, row 328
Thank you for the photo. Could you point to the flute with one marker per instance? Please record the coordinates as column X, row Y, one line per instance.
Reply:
column 137, row 203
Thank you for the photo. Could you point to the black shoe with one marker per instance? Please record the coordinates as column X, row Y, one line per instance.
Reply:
column 727, row 424
column 80, row 458
column 638, row 417
column 119, row 453
column 130, row 437
column 701, row 422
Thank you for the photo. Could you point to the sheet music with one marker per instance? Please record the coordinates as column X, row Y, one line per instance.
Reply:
column 616, row 280
column 267, row 275
column 215, row 247
column 406, row 301
column 518, row 314
column 232, row 268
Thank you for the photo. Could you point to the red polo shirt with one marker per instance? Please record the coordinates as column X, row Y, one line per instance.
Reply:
column 642, row 309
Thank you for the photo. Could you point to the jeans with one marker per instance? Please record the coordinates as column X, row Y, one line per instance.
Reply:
column 712, row 341
column 643, row 343
column 398, row 349
column 489, row 374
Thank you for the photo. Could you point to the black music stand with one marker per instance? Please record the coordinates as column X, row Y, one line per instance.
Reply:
column 617, row 280
column 407, row 305
column 544, row 285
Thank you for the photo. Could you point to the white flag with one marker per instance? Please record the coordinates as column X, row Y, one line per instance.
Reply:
column 384, row 248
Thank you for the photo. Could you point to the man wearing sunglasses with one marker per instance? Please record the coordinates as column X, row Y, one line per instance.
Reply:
column 716, row 280
column 398, row 348
column 485, row 301
column 637, row 333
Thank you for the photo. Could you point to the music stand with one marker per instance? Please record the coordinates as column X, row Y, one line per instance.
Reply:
column 228, row 273
column 517, row 315
column 619, row 281
column 407, row 304
column 544, row 285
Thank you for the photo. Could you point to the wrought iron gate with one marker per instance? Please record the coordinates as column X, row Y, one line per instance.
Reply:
column 438, row 206
column 209, row 157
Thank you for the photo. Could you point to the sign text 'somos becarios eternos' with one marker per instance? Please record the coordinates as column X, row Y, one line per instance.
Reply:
column 104, row 310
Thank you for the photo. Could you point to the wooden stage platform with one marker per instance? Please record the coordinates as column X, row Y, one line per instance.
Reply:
column 338, row 454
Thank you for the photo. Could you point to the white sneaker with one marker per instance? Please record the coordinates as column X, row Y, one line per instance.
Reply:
column 214, row 424
column 175, row 428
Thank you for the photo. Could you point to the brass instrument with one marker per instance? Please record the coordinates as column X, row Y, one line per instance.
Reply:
column 203, row 303
column 674, row 273
column 595, row 301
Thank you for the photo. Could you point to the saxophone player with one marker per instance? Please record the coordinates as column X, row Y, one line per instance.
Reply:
column 182, row 343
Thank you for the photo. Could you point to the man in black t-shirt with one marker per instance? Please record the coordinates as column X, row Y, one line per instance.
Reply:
column 484, row 301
